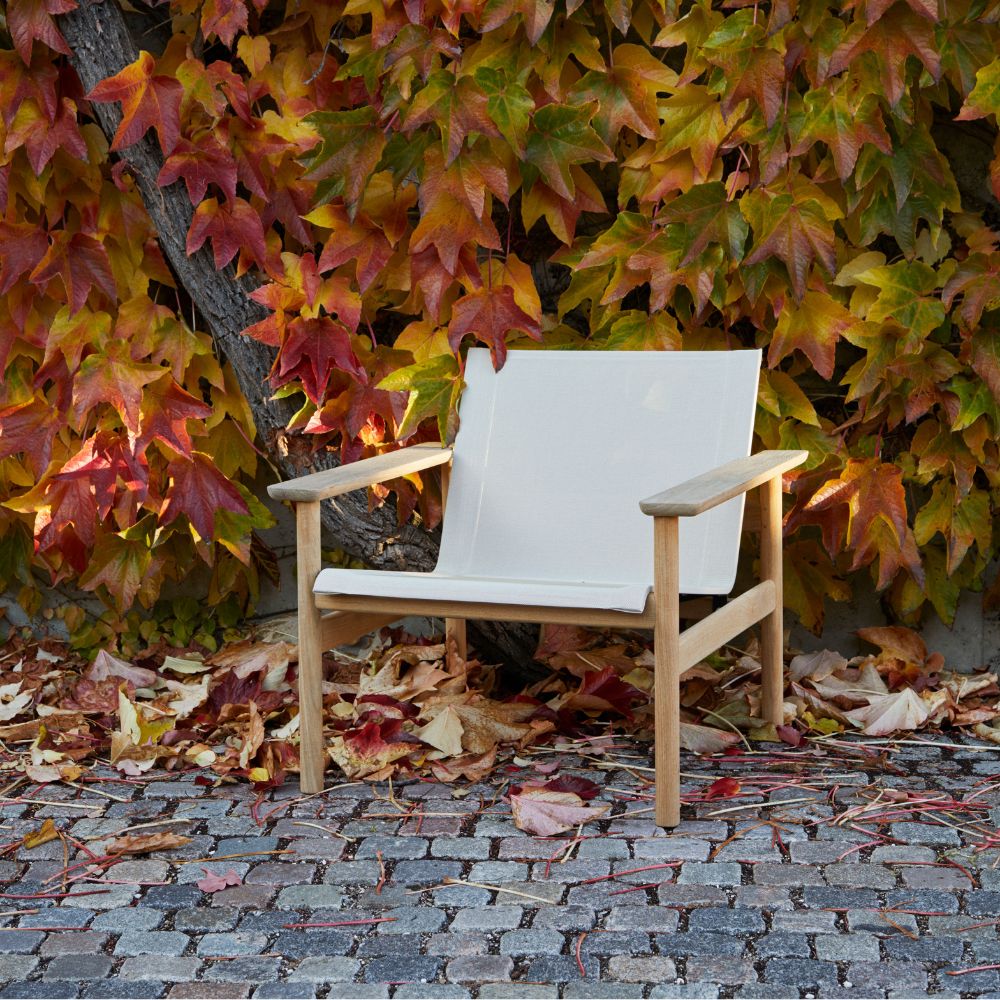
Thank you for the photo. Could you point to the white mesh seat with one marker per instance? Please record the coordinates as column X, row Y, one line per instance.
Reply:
column 553, row 455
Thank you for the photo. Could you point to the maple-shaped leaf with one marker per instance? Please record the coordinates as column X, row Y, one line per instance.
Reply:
column 166, row 409
column 29, row 428
column 22, row 246
column 640, row 331
column 457, row 106
column 795, row 232
column 29, row 21
column 223, row 18
column 200, row 163
column 434, row 388
column 199, row 490
column 874, row 9
column 895, row 36
column 812, row 326
column 985, row 97
column 961, row 521
column 875, row 524
column 810, row 580
column 311, row 350
column 748, row 70
column 692, row 123
column 232, row 226
column 542, row 812
column 626, row 93
column 112, row 377
column 905, row 296
column 148, row 101
column 709, row 216
column 490, row 314
column 509, row 104
column 604, row 691
column 119, row 564
column 976, row 280
column 42, row 136
column 985, row 359
column 81, row 262
column 561, row 135
column 561, row 214
column 535, row 16
column 359, row 240
column 843, row 125
column 447, row 223
column 350, row 147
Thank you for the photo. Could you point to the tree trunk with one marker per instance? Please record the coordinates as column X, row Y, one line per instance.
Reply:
column 101, row 46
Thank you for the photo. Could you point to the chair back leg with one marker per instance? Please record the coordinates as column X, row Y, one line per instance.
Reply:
column 455, row 640
column 666, row 649
column 772, row 636
column 312, row 752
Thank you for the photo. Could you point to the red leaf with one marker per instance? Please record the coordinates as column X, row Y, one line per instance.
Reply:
column 198, row 490
column 490, row 314
column 113, row 378
column 723, row 788
column 216, row 883
column 583, row 787
column 165, row 412
column 147, row 101
column 233, row 226
column 312, row 350
column 29, row 428
column 22, row 246
column 31, row 20
column 604, row 691
column 789, row 735
column 81, row 262
column 224, row 18
column 200, row 163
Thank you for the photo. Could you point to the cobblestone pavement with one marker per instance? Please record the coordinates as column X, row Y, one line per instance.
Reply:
column 822, row 912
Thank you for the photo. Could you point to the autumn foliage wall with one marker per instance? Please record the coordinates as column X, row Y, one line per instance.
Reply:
column 407, row 178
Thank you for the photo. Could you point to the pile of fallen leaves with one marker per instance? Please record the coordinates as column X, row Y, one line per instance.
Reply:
column 415, row 708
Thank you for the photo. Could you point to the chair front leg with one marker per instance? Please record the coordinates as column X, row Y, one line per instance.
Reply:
column 666, row 648
column 772, row 628
column 312, row 753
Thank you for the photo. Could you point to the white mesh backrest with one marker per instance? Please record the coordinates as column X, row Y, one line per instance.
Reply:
column 555, row 451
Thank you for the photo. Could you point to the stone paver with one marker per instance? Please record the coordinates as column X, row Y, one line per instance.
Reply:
column 720, row 908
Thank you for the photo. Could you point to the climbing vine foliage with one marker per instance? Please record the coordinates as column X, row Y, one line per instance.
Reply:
column 408, row 177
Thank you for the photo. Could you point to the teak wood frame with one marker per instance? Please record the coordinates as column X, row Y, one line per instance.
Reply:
column 330, row 620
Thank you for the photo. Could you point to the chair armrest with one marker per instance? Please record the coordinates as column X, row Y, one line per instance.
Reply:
column 356, row 475
column 727, row 481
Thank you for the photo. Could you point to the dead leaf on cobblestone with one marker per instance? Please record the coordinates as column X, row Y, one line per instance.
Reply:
column 216, row 883
column 543, row 812
column 146, row 843
column 46, row 832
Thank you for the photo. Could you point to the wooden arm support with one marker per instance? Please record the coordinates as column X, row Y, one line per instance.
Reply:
column 677, row 651
column 357, row 475
column 708, row 490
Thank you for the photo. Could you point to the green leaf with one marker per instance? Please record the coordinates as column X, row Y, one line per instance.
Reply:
column 350, row 148
column 435, row 386
column 560, row 136
column 509, row 104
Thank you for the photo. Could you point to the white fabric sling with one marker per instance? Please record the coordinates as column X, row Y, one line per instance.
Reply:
column 554, row 453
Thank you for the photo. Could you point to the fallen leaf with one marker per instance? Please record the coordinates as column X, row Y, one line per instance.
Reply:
column 46, row 832
column 444, row 732
column 216, row 883
column 13, row 701
column 473, row 767
column 106, row 665
column 723, row 788
column 816, row 665
column 896, row 641
column 146, row 843
column 901, row 711
column 705, row 739
column 545, row 813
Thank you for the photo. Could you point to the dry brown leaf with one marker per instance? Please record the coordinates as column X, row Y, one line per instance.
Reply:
column 444, row 732
column 145, row 843
column 246, row 658
column 253, row 737
column 106, row 665
column 901, row 711
column 856, row 687
column 485, row 722
column 816, row 665
column 472, row 767
column 896, row 641
column 46, row 832
column 705, row 739
column 406, row 672
column 545, row 813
